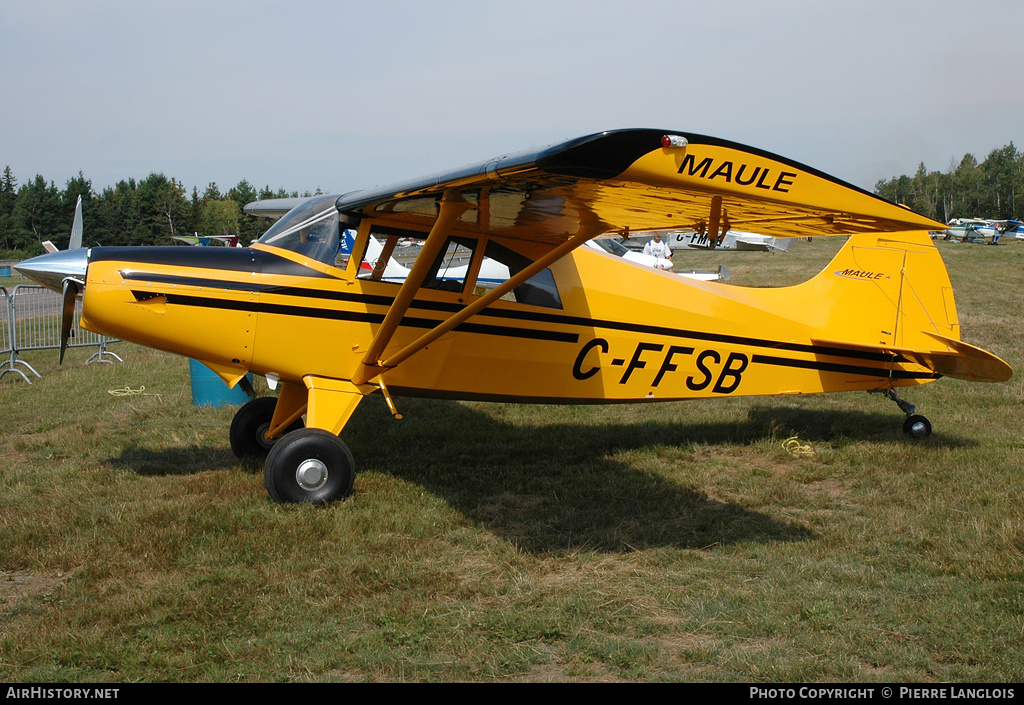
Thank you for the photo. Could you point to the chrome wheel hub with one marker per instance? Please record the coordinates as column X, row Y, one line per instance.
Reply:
column 311, row 474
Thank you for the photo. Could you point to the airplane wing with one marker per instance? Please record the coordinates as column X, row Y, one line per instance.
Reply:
column 633, row 180
column 611, row 182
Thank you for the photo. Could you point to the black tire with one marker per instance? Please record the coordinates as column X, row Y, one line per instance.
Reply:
column 309, row 466
column 249, row 426
column 917, row 426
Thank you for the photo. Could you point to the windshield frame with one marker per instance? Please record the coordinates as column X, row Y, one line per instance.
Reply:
column 312, row 229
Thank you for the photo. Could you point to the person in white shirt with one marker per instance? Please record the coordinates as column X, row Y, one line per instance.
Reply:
column 658, row 247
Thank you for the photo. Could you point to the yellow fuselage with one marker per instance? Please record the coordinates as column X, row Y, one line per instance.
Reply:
column 624, row 332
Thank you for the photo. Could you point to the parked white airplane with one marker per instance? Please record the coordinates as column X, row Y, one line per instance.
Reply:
column 732, row 240
column 979, row 230
column 614, row 247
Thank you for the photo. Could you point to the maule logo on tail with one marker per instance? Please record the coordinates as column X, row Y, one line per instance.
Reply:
column 860, row 274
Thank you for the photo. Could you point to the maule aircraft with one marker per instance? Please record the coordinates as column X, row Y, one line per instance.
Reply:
column 570, row 325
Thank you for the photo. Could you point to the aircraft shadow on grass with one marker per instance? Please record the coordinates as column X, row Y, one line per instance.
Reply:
column 185, row 460
column 558, row 487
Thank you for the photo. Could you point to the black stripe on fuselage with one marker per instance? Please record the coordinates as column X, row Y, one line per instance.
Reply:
column 534, row 316
column 842, row 369
column 508, row 314
column 364, row 317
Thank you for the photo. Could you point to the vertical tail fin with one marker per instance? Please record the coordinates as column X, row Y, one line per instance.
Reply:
column 891, row 292
column 76, row 227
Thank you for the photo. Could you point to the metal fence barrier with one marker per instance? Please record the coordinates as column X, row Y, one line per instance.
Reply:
column 30, row 320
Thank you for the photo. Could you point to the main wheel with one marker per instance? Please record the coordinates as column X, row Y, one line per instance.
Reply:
column 249, row 428
column 917, row 426
column 309, row 466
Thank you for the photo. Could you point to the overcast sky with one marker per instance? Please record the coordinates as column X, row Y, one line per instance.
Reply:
column 349, row 95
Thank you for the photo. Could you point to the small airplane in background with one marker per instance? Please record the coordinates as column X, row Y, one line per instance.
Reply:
column 731, row 240
column 570, row 325
column 207, row 240
column 76, row 232
column 977, row 230
column 616, row 248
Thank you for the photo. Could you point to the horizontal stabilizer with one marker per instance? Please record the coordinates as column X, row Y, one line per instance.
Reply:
column 957, row 359
column 968, row 362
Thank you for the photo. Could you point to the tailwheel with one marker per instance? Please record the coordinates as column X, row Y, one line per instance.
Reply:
column 248, row 434
column 917, row 426
column 309, row 466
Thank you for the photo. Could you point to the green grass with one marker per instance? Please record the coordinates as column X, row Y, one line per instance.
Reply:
column 492, row 542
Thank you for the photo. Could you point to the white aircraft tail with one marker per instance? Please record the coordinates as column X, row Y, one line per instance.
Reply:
column 76, row 232
column 76, row 227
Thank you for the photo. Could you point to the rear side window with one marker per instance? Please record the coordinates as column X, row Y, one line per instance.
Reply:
column 539, row 290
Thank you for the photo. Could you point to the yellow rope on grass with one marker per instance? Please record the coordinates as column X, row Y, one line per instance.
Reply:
column 793, row 446
column 129, row 392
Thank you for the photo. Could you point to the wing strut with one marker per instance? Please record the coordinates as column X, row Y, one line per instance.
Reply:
column 452, row 206
column 372, row 365
column 491, row 296
column 716, row 213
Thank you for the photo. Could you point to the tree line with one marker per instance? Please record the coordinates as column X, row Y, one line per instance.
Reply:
column 967, row 189
column 154, row 210
column 147, row 212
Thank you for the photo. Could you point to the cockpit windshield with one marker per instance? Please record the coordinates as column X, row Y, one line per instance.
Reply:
column 309, row 229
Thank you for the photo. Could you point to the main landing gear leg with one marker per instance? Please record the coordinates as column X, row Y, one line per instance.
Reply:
column 313, row 465
column 251, row 427
column 916, row 425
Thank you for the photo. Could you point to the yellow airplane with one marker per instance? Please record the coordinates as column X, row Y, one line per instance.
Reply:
column 570, row 325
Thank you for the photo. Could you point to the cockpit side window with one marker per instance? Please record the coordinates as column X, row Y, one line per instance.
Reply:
column 391, row 253
column 539, row 290
column 451, row 267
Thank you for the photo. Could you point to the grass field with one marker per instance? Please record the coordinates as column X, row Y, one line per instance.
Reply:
column 762, row 539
